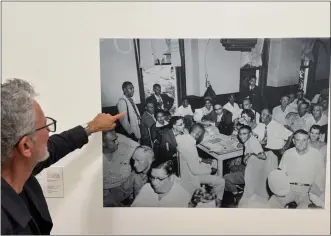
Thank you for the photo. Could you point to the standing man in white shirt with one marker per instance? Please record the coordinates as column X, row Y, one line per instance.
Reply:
column 280, row 112
column 276, row 137
column 306, row 170
column 131, row 121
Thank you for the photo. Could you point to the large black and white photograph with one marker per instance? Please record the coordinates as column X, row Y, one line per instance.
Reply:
column 215, row 123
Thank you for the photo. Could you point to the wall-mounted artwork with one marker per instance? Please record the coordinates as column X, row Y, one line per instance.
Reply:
column 176, row 148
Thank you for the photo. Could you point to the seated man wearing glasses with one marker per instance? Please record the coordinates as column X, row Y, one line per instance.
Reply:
column 27, row 149
column 164, row 188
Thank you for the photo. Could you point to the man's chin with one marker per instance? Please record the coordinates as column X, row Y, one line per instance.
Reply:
column 44, row 157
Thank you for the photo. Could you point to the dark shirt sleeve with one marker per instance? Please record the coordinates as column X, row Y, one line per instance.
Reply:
column 170, row 101
column 60, row 145
column 209, row 117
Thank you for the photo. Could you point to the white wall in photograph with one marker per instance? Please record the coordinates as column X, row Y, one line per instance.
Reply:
column 117, row 64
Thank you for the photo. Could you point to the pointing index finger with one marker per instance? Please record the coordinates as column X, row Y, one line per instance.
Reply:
column 119, row 116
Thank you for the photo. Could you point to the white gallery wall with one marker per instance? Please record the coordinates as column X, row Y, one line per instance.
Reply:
column 56, row 47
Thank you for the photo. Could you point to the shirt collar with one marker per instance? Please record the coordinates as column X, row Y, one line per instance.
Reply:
column 159, row 125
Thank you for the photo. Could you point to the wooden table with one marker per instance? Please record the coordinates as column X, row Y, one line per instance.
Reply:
column 226, row 142
column 221, row 157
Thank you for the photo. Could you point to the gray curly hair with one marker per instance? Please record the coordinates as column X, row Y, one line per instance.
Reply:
column 18, row 116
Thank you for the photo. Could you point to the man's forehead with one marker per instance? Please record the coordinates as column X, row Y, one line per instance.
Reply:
column 301, row 136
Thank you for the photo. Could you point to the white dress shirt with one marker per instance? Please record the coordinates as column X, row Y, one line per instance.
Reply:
column 279, row 115
column 296, row 122
column 277, row 135
column 176, row 197
column 184, row 111
column 191, row 165
column 310, row 120
column 315, row 99
column 308, row 168
column 235, row 110
column 158, row 125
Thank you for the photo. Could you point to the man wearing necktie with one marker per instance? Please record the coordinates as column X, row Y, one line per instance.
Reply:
column 276, row 137
column 253, row 92
column 162, row 101
column 131, row 121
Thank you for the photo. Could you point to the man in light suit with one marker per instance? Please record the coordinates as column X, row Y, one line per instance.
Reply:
column 161, row 101
column 131, row 121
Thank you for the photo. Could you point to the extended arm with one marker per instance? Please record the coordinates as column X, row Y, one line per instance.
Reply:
column 60, row 145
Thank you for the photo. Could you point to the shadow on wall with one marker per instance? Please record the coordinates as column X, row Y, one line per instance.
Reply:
column 74, row 170
column 92, row 219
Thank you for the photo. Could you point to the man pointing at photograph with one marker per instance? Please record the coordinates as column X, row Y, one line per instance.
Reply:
column 27, row 149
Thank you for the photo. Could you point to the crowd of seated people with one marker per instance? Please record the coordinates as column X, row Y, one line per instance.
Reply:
column 152, row 159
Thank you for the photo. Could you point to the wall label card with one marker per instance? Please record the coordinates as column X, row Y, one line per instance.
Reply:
column 53, row 183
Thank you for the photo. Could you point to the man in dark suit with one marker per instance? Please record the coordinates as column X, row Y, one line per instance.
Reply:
column 222, row 119
column 254, row 93
column 27, row 149
column 161, row 101
column 147, row 121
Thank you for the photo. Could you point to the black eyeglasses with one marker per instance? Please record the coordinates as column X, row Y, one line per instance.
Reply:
column 50, row 126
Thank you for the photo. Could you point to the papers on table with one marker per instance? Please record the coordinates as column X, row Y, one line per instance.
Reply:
column 222, row 144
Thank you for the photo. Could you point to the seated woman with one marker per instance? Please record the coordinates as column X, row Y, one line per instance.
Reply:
column 199, row 113
column 164, row 189
column 167, row 146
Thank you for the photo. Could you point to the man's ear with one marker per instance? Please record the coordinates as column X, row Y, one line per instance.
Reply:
column 25, row 146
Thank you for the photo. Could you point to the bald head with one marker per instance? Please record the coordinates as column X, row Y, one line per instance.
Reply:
column 142, row 157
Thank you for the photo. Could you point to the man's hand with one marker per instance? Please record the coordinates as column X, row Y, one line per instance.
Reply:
column 196, row 197
column 103, row 122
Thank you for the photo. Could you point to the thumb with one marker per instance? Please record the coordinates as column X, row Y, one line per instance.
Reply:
column 119, row 116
